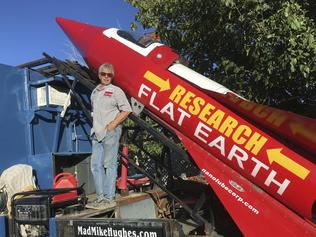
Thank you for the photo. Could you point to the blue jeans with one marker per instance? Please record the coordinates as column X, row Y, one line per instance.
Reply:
column 104, row 163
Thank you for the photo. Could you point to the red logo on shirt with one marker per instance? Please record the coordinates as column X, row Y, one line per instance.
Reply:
column 108, row 93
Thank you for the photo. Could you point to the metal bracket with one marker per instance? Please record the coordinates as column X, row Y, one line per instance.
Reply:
column 137, row 107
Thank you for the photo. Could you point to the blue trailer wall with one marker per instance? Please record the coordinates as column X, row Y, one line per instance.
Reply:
column 32, row 129
column 3, row 226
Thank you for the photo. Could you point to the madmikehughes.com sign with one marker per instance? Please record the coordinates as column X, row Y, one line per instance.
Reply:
column 84, row 230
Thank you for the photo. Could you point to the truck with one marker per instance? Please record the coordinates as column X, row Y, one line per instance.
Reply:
column 224, row 165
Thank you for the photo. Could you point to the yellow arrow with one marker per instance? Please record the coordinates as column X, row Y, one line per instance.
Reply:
column 298, row 128
column 275, row 155
column 162, row 84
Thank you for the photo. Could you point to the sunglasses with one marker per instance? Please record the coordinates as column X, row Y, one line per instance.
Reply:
column 106, row 74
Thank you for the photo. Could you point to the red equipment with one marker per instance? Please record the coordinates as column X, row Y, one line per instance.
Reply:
column 122, row 181
column 65, row 180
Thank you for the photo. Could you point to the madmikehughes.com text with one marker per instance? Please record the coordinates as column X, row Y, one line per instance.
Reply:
column 112, row 232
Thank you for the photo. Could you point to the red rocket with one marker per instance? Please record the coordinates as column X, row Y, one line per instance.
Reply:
column 258, row 160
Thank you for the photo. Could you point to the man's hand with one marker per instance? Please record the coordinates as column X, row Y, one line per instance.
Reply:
column 111, row 126
column 117, row 121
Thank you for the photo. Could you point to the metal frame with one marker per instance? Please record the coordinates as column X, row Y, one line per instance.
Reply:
column 80, row 74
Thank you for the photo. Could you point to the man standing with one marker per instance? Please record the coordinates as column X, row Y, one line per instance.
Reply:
column 110, row 108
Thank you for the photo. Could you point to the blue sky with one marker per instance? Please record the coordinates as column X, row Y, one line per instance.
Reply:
column 28, row 27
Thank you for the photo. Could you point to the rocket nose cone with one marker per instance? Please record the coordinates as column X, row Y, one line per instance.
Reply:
column 72, row 28
column 81, row 34
column 63, row 21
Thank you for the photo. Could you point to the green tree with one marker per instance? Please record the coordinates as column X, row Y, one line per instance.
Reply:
column 264, row 50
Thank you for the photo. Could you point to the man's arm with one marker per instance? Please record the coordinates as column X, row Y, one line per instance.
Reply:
column 118, row 120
